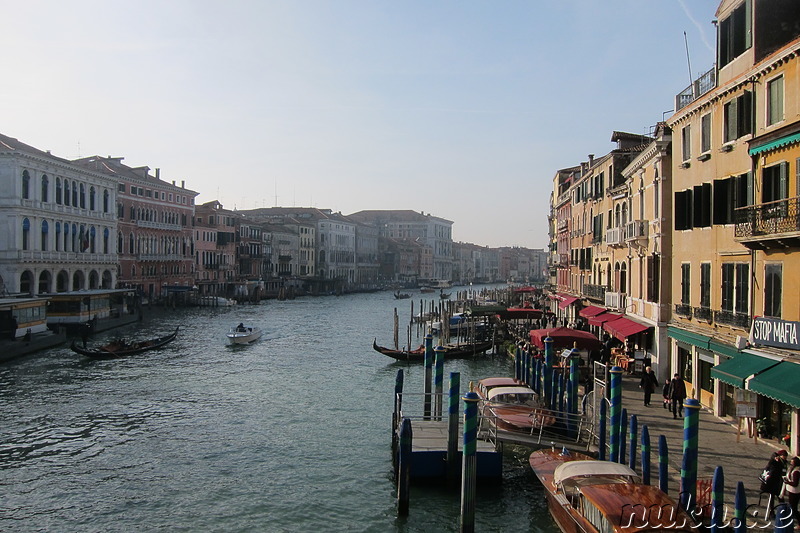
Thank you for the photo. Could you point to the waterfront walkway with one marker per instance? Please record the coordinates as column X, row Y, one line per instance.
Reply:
column 741, row 461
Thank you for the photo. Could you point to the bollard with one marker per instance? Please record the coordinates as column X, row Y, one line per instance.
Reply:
column 615, row 415
column 602, row 431
column 404, row 468
column 561, row 393
column 623, row 423
column 537, row 381
column 632, row 430
column 398, row 408
column 426, row 408
column 554, row 392
column 438, row 382
column 568, row 420
column 663, row 462
column 717, row 495
column 547, row 372
column 740, row 510
column 531, row 364
column 468, row 469
column 784, row 521
column 574, row 378
column 645, row 455
column 517, row 357
column 452, row 427
column 691, row 419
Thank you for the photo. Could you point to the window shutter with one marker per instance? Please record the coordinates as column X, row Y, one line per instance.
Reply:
column 784, row 177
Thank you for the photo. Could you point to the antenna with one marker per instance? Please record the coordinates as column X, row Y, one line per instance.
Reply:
column 689, row 63
column 276, row 194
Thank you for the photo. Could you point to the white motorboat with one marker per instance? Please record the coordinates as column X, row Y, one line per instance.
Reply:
column 242, row 334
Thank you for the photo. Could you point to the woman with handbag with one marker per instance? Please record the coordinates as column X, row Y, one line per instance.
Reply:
column 772, row 478
column 791, row 484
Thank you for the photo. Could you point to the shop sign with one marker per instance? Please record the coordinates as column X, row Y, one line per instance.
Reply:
column 745, row 404
column 775, row 332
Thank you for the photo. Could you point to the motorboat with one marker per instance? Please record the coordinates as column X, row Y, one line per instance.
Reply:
column 242, row 334
column 513, row 406
column 589, row 496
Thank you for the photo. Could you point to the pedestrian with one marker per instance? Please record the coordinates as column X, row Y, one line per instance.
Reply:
column 648, row 384
column 665, row 393
column 772, row 477
column 677, row 393
column 791, row 484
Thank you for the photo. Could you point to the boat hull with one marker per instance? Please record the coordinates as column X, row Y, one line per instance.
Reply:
column 252, row 335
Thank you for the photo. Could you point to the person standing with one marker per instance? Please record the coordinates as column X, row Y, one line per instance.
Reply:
column 792, row 484
column 772, row 478
column 648, row 384
column 665, row 393
column 677, row 393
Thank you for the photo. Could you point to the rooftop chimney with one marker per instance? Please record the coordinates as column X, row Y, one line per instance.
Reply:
column 183, row 184
column 591, row 159
column 158, row 173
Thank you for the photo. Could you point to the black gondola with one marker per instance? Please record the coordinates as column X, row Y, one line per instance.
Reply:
column 452, row 351
column 122, row 348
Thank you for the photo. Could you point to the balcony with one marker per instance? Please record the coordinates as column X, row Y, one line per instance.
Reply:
column 615, row 300
column 637, row 230
column 562, row 225
column 615, row 236
column 770, row 225
column 701, row 86
column 703, row 313
column 729, row 318
column 595, row 292
column 683, row 310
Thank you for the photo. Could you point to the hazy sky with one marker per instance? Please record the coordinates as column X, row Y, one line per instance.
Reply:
column 464, row 109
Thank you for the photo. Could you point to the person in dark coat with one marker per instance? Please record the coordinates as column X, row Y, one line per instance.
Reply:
column 648, row 384
column 677, row 393
column 774, row 477
column 665, row 393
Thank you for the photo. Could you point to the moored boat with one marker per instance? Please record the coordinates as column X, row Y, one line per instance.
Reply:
column 452, row 351
column 401, row 295
column 242, row 334
column 589, row 496
column 122, row 347
column 512, row 405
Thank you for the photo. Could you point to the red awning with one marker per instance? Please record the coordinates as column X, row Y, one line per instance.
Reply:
column 623, row 328
column 566, row 302
column 520, row 313
column 591, row 311
column 599, row 320
column 565, row 338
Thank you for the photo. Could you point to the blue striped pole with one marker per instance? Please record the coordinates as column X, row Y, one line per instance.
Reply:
column 567, row 415
column 452, row 426
column 398, row 408
column 602, row 430
column 428, row 375
column 616, row 412
column 547, row 372
column 740, row 510
column 469, row 462
column 531, row 367
column 645, row 455
column 691, row 422
column 404, row 468
column 517, row 357
column 561, row 391
column 784, row 521
column 438, row 382
column 663, row 462
column 717, row 495
column 632, row 431
column 623, row 423
column 554, row 392
column 537, row 382
column 574, row 378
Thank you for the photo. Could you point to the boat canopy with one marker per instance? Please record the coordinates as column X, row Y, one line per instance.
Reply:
column 592, row 469
column 497, row 391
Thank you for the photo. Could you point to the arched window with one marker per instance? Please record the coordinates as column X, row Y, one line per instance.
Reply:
column 105, row 202
column 26, row 233
column 105, row 240
column 45, row 228
column 45, row 188
column 58, row 236
column 92, row 199
column 83, row 196
column 67, row 197
column 131, row 243
column 133, row 213
column 59, row 201
column 75, row 194
column 26, row 185
column 66, row 237
column 92, row 240
column 75, row 243
column 119, row 242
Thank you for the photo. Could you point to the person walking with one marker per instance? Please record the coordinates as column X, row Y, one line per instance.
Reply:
column 791, row 483
column 677, row 393
column 665, row 393
column 648, row 384
column 772, row 478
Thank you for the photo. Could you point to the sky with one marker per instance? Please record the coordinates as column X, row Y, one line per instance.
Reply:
column 464, row 109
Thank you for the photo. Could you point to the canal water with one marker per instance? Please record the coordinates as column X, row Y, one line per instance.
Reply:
column 291, row 434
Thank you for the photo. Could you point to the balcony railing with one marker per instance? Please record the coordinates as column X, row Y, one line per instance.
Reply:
column 737, row 320
column 703, row 313
column 615, row 236
column 637, row 229
column 701, row 86
column 683, row 310
column 769, row 219
column 615, row 300
column 595, row 292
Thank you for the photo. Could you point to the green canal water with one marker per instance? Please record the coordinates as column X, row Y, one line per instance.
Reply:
column 291, row 434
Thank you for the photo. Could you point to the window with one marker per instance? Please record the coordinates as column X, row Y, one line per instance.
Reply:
column 735, row 287
column 705, row 133
column 773, row 288
column 67, row 196
column 775, row 101
column 775, row 183
column 26, row 185
column 121, row 188
column 105, row 201
column 45, row 188
column 83, row 196
column 45, row 229
column 686, row 143
column 735, row 34
column 58, row 191
column 738, row 117
column 685, row 284
column 701, row 204
column 653, row 277
column 727, row 286
column 705, row 285
column 683, row 210
column 26, row 233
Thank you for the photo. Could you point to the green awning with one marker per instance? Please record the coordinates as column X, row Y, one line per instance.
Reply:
column 735, row 370
column 781, row 382
column 783, row 141
column 689, row 337
column 722, row 348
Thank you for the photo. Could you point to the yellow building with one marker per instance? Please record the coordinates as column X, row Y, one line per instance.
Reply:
column 736, row 238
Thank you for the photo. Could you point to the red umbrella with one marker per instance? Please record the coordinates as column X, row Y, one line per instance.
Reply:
column 565, row 338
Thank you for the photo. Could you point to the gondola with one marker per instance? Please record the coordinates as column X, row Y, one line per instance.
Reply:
column 452, row 351
column 122, row 348
column 401, row 295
